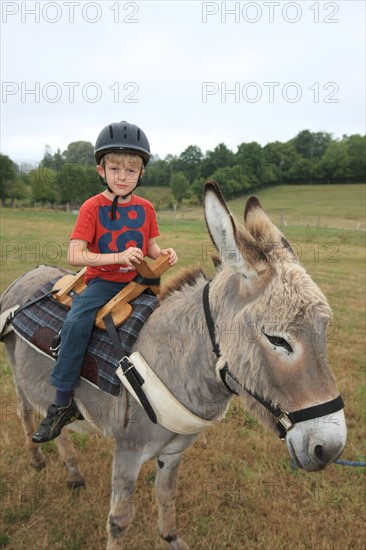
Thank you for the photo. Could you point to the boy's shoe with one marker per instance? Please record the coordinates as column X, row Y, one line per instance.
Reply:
column 57, row 417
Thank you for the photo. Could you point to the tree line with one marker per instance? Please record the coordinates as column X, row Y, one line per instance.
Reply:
column 309, row 158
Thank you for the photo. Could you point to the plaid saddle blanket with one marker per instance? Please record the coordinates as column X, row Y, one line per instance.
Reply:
column 42, row 321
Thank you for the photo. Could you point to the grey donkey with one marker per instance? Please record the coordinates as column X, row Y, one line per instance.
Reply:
column 278, row 365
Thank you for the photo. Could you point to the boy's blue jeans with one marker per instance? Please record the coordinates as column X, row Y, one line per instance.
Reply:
column 77, row 330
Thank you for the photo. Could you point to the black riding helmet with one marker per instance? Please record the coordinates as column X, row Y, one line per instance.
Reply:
column 121, row 137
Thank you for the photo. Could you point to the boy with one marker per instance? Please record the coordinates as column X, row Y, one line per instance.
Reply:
column 113, row 229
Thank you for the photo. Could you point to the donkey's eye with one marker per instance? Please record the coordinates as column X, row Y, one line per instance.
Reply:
column 279, row 342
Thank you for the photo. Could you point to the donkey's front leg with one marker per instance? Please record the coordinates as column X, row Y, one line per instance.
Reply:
column 26, row 414
column 68, row 455
column 166, row 491
column 126, row 467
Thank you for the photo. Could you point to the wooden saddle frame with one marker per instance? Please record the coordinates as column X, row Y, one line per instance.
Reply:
column 71, row 285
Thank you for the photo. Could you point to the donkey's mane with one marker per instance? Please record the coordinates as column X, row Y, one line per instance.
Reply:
column 185, row 277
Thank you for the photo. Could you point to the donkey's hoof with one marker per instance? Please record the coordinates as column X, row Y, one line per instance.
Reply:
column 39, row 465
column 176, row 543
column 75, row 483
column 179, row 544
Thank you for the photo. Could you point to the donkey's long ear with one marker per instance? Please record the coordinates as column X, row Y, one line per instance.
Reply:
column 262, row 229
column 219, row 221
column 235, row 245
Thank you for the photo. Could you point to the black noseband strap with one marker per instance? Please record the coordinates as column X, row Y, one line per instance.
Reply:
column 317, row 411
column 285, row 421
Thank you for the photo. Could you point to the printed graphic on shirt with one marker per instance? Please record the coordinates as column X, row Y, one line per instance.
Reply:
column 125, row 231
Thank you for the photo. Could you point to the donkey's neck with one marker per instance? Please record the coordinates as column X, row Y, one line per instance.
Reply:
column 176, row 343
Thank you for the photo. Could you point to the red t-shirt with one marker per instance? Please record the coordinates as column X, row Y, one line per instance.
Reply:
column 135, row 225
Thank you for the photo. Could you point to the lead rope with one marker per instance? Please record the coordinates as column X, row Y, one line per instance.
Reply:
column 349, row 463
column 339, row 461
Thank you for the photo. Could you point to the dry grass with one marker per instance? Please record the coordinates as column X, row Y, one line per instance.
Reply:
column 237, row 490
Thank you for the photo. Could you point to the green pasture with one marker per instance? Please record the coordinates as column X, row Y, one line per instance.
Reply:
column 311, row 216
column 237, row 490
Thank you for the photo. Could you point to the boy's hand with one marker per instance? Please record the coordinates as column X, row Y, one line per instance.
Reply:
column 130, row 255
column 173, row 258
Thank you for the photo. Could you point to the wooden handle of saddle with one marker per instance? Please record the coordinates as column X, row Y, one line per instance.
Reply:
column 119, row 306
column 69, row 283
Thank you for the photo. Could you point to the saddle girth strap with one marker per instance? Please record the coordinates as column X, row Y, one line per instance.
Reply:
column 132, row 375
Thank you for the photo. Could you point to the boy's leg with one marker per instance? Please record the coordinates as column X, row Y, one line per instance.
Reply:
column 75, row 338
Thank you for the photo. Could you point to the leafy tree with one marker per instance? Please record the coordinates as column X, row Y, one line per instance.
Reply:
column 275, row 155
column 17, row 190
column 335, row 163
column 8, row 173
column 80, row 152
column 300, row 170
column 311, row 145
column 47, row 161
column 92, row 182
column 77, row 183
column 179, row 185
column 189, row 162
column 54, row 162
column 251, row 158
column 232, row 180
column 197, row 188
column 285, row 164
column 220, row 157
column 158, row 172
column 43, row 182
column 58, row 160
column 356, row 145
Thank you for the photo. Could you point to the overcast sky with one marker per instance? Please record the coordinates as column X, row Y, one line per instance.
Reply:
column 187, row 72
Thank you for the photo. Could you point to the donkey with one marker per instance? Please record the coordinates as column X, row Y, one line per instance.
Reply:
column 278, row 365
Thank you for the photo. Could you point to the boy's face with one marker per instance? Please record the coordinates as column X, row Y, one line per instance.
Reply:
column 121, row 173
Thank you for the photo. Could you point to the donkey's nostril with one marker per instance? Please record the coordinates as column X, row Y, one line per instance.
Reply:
column 326, row 453
column 319, row 452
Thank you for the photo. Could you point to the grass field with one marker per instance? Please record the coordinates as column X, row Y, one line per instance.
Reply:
column 236, row 489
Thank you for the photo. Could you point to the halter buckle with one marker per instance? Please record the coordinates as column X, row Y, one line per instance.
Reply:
column 284, row 424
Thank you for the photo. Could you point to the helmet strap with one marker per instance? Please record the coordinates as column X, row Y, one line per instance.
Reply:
column 115, row 200
column 114, row 207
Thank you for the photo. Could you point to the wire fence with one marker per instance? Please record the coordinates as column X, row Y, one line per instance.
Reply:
column 280, row 219
column 195, row 213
